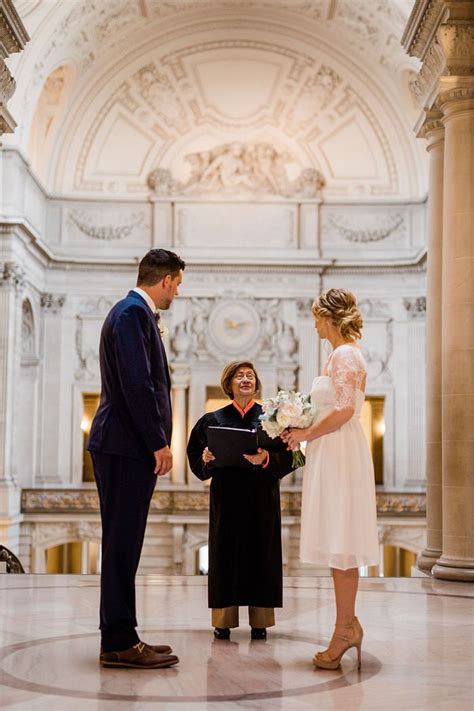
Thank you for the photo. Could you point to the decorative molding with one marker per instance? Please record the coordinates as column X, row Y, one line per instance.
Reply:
column 84, row 222
column 12, row 275
column 415, row 307
column 59, row 500
column 450, row 95
column 367, row 234
column 52, row 303
column 238, row 168
column 430, row 125
column 441, row 34
column 83, row 501
column 425, row 18
column 13, row 34
column 427, row 79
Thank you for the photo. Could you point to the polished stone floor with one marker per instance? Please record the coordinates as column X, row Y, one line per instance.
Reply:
column 418, row 650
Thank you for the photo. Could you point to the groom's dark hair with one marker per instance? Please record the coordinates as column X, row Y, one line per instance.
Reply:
column 156, row 264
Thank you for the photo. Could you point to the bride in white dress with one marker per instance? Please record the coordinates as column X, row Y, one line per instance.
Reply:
column 338, row 518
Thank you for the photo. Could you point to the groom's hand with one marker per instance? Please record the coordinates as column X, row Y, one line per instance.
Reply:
column 163, row 461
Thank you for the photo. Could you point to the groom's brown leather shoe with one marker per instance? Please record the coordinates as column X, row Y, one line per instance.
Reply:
column 158, row 648
column 140, row 656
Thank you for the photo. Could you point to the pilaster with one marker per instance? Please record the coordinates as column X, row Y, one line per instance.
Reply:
column 51, row 306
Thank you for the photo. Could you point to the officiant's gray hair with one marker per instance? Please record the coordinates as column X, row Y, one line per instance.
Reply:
column 231, row 369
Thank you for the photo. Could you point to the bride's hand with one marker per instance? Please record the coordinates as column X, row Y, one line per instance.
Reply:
column 293, row 437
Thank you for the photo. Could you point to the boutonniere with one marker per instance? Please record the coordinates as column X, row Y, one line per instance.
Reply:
column 161, row 327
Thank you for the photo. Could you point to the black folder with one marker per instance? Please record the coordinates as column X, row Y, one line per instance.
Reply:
column 229, row 444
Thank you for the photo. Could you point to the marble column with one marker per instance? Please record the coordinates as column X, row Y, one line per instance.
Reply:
column 456, row 100
column 433, row 130
column 181, row 378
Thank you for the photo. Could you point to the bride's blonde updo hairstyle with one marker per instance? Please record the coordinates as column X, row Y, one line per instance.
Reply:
column 340, row 306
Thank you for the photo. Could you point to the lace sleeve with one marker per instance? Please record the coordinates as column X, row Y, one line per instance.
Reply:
column 347, row 371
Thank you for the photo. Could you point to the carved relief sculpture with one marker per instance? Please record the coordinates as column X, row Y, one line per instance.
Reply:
column 158, row 92
column 239, row 168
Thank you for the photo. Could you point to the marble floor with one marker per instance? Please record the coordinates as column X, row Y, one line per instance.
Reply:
column 418, row 650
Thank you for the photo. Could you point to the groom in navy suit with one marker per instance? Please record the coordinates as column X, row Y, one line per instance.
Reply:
column 130, row 446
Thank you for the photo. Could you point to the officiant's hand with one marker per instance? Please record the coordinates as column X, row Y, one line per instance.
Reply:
column 163, row 461
column 293, row 437
column 207, row 456
column 257, row 459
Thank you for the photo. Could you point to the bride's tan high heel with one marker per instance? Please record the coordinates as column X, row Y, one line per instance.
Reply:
column 352, row 634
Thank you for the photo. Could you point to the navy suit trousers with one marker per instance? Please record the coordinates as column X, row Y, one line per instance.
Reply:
column 125, row 489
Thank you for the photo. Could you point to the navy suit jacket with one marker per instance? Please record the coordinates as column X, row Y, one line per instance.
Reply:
column 134, row 414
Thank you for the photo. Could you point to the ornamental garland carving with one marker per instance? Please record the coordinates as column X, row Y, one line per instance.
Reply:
column 85, row 224
column 389, row 226
column 238, row 168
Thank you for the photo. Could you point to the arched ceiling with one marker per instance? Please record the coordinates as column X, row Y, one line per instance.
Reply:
column 134, row 85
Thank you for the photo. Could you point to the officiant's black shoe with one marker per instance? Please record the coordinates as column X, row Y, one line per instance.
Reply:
column 258, row 633
column 222, row 633
column 140, row 656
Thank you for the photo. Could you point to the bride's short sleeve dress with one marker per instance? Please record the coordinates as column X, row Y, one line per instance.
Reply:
column 339, row 516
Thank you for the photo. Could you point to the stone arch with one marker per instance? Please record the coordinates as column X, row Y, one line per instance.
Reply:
column 49, row 535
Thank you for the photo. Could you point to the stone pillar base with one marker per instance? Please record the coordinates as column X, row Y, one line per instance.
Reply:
column 427, row 559
column 454, row 569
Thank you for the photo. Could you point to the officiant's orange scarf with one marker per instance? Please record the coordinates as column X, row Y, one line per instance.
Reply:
column 243, row 411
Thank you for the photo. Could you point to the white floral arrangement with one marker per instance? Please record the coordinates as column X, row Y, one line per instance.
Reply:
column 287, row 409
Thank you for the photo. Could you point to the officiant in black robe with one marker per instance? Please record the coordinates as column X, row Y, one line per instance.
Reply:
column 245, row 557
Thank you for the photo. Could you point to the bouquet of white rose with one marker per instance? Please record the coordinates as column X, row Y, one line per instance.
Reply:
column 287, row 409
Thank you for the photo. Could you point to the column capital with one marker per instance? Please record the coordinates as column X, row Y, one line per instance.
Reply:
column 430, row 126
column 52, row 303
column 12, row 275
column 456, row 38
column 415, row 307
column 456, row 94
column 441, row 34
column 180, row 375
column 13, row 37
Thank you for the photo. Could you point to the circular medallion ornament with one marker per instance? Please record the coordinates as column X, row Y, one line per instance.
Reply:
column 234, row 327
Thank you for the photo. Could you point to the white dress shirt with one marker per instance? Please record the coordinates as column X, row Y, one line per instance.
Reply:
column 147, row 298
